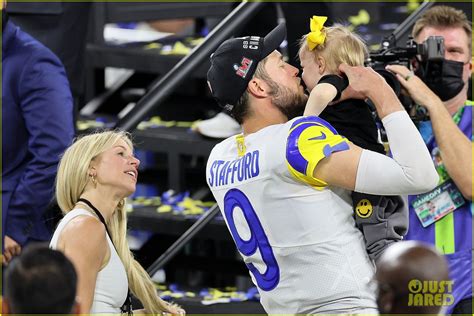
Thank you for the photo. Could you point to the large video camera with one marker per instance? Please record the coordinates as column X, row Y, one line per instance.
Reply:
column 425, row 59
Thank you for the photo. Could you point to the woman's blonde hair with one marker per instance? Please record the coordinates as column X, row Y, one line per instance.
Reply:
column 341, row 46
column 71, row 182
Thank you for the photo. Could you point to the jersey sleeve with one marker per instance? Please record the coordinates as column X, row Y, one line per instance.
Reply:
column 311, row 139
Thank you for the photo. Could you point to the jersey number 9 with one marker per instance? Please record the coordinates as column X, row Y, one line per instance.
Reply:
column 268, row 280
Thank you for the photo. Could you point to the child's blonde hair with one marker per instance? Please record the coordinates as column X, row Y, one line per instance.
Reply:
column 341, row 46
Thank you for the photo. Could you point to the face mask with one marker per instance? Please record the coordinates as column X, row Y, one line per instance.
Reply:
column 448, row 82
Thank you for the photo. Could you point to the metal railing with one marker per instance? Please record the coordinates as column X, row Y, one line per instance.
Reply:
column 181, row 71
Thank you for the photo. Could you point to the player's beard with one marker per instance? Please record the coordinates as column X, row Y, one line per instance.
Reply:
column 290, row 103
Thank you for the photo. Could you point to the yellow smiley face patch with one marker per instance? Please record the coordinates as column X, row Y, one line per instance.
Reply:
column 364, row 208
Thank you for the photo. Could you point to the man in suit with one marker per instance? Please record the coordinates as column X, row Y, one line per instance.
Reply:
column 37, row 126
column 62, row 27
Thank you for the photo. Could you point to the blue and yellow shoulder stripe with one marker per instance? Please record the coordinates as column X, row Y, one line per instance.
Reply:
column 310, row 140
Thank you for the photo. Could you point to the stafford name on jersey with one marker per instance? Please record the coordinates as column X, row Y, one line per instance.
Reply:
column 224, row 172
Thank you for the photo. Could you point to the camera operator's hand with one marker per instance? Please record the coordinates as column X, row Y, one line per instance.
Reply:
column 417, row 90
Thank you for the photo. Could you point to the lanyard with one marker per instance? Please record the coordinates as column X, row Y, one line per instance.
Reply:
column 457, row 116
column 426, row 129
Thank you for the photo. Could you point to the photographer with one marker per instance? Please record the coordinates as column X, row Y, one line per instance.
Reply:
column 448, row 135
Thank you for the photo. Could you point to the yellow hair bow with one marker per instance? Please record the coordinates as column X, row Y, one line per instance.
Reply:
column 316, row 36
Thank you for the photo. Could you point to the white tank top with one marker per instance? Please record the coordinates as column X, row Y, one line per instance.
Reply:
column 111, row 286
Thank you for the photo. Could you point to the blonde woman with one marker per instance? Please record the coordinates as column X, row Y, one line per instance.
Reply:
column 95, row 176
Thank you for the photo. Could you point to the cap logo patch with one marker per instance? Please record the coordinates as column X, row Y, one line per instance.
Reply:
column 252, row 43
column 244, row 67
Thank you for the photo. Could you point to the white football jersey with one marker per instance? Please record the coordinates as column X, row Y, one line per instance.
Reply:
column 296, row 235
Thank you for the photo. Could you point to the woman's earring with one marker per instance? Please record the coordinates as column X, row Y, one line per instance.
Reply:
column 94, row 180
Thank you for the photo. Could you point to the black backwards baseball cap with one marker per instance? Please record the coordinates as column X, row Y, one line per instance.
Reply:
column 234, row 62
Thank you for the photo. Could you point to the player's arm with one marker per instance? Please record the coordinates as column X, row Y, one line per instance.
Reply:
column 410, row 171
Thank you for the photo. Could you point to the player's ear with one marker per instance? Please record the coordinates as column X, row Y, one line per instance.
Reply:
column 258, row 88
